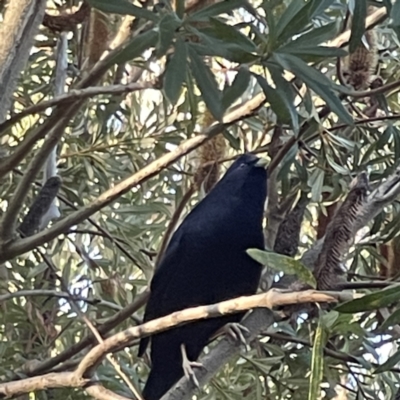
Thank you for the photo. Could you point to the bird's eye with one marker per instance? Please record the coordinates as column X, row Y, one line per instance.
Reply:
column 242, row 165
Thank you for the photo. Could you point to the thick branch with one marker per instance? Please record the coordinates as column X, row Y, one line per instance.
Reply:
column 53, row 380
column 97, row 353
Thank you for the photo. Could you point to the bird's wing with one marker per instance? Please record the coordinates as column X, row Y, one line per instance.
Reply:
column 195, row 228
column 170, row 265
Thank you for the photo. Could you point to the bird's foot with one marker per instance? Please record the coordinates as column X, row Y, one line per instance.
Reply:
column 236, row 331
column 188, row 366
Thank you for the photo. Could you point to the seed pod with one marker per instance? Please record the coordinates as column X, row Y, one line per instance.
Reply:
column 360, row 66
column 209, row 155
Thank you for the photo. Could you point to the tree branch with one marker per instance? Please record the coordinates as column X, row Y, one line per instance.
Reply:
column 269, row 300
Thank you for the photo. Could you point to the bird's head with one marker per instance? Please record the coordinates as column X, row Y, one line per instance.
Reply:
column 246, row 178
column 247, row 166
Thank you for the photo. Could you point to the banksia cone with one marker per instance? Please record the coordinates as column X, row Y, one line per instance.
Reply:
column 109, row 286
column 209, row 155
column 361, row 65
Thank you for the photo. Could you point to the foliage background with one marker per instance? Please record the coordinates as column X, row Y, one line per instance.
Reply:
column 192, row 72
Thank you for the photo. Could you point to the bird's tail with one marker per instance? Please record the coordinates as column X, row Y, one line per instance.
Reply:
column 161, row 379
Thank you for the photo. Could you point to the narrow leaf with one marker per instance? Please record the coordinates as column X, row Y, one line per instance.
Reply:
column 287, row 17
column 287, row 93
column 238, row 87
column 317, row 362
column 285, row 264
column 207, row 85
column 318, row 82
column 274, row 99
column 357, row 24
column 391, row 320
column 390, row 363
column 321, row 51
column 167, row 29
column 372, row 301
column 176, row 72
column 136, row 47
column 230, row 34
column 317, row 35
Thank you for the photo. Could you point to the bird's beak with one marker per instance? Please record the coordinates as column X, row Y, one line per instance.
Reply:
column 262, row 162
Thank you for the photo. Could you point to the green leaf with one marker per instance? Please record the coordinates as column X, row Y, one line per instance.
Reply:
column 38, row 269
column 357, row 24
column 316, row 36
column 391, row 320
column 318, row 82
column 289, row 15
column 136, row 47
column 122, row 7
column 280, row 104
column 176, row 72
column 230, row 34
column 320, row 51
column 329, row 319
column 286, row 91
column 298, row 15
column 238, row 87
column 372, row 301
column 390, row 363
column 317, row 362
column 215, row 9
column 285, row 264
column 167, row 29
column 316, row 182
column 335, row 166
column 217, row 48
column 180, row 8
column 207, row 85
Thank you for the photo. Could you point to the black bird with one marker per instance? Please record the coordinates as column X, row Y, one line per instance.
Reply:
column 206, row 262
